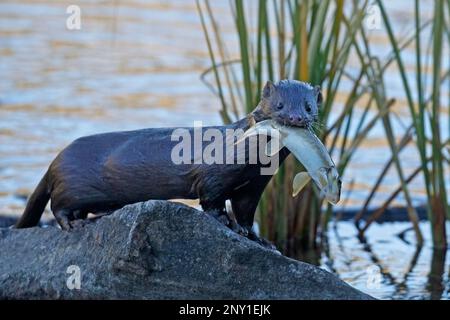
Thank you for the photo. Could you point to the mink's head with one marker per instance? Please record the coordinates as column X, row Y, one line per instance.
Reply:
column 290, row 102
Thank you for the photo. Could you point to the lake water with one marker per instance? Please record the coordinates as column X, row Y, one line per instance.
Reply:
column 387, row 266
column 137, row 64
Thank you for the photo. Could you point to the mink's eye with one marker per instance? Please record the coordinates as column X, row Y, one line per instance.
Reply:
column 308, row 108
column 280, row 106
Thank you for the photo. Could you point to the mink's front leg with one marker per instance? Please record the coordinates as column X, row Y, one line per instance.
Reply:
column 244, row 203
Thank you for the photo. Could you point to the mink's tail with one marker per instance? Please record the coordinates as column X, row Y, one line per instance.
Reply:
column 35, row 206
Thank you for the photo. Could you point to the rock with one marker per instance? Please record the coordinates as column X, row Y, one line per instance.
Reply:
column 155, row 250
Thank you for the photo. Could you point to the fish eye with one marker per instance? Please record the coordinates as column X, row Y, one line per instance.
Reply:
column 280, row 106
column 308, row 108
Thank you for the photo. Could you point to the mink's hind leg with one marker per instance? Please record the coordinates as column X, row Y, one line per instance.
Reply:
column 79, row 214
column 64, row 218
column 81, row 217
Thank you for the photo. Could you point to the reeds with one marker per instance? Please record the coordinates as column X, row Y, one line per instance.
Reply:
column 325, row 43
column 428, row 110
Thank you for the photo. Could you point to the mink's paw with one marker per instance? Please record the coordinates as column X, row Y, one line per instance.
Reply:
column 261, row 241
column 238, row 228
column 78, row 223
column 220, row 216
column 268, row 245
column 226, row 220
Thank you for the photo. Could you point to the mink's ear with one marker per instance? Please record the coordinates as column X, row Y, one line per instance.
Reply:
column 268, row 90
column 318, row 94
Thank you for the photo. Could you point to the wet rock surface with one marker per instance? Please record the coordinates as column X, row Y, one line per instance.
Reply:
column 155, row 250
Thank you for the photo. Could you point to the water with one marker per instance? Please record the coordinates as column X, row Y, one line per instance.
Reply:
column 405, row 271
column 137, row 64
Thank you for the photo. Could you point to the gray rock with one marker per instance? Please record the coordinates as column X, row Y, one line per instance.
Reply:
column 155, row 250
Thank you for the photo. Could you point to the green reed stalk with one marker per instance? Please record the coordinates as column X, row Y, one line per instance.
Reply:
column 435, row 183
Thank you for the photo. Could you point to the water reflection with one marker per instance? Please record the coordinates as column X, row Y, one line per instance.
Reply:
column 436, row 275
column 407, row 271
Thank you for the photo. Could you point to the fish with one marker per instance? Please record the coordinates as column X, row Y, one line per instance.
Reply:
column 308, row 150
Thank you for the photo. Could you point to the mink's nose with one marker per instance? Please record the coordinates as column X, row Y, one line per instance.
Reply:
column 296, row 120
